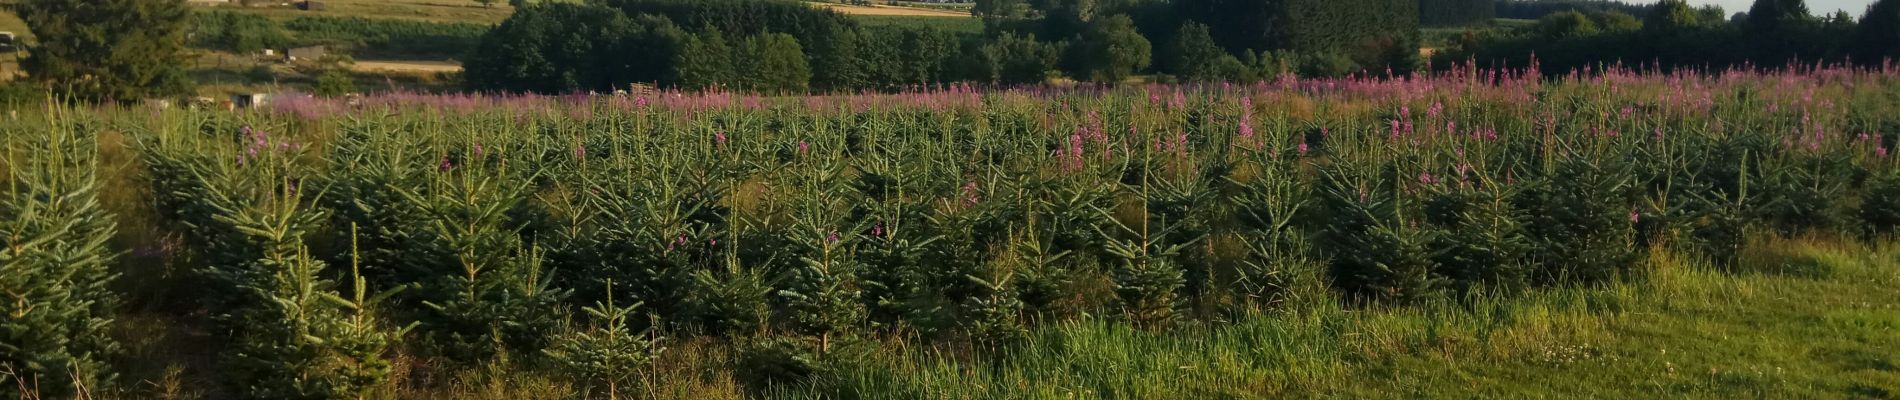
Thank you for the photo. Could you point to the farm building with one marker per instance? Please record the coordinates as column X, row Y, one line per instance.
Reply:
column 248, row 100
column 308, row 53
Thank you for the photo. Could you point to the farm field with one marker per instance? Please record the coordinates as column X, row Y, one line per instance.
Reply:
column 1471, row 233
column 466, row 11
column 884, row 10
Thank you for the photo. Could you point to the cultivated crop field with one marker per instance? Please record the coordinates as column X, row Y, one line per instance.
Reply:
column 1472, row 233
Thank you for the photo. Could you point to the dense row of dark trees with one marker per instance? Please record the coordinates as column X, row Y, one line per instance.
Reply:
column 1535, row 9
column 1672, row 34
column 242, row 32
column 700, row 44
column 1456, row 12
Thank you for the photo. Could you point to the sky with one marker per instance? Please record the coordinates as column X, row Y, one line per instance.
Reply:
column 1823, row 7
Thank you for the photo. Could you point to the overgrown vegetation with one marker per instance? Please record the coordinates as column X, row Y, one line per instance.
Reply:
column 1012, row 243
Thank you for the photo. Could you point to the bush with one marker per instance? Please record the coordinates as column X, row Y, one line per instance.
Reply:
column 335, row 82
column 1109, row 51
column 1014, row 60
column 238, row 32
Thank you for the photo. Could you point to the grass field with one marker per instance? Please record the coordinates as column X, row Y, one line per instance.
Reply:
column 1807, row 318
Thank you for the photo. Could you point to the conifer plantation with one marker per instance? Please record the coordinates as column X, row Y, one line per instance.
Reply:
column 1088, row 199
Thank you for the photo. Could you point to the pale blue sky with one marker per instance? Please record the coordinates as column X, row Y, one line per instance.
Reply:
column 1817, row 6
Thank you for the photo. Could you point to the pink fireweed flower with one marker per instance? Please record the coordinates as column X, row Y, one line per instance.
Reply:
column 580, row 151
column 1302, row 148
column 640, row 102
column 804, row 147
column 1426, row 178
column 1073, row 158
column 877, row 230
column 831, row 237
column 1635, row 217
column 970, row 194
column 1395, row 129
column 1880, row 150
column 719, row 137
column 446, row 165
column 478, row 150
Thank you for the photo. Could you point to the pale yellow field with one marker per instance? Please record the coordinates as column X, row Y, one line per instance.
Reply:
column 405, row 66
column 889, row 10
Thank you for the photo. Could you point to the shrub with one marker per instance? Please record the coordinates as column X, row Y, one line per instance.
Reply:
column 1014, row 60
column 335, row 82
column 1109, row 50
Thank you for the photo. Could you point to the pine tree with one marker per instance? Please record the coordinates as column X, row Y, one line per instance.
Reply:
column 705, row 61
column 1198, row 59
column 488, row 294
column 53, row 268
column 1380, row 253
column 822, row 293
column 607, row 356
column 97, row 50
column 1878, row 31
column 777, row 64
column 290, row 332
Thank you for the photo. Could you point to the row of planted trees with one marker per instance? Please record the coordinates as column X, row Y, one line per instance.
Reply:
column 796, row 227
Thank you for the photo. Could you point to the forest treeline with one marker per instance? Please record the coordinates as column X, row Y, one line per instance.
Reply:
column 1672, row 34
column 781, row 46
